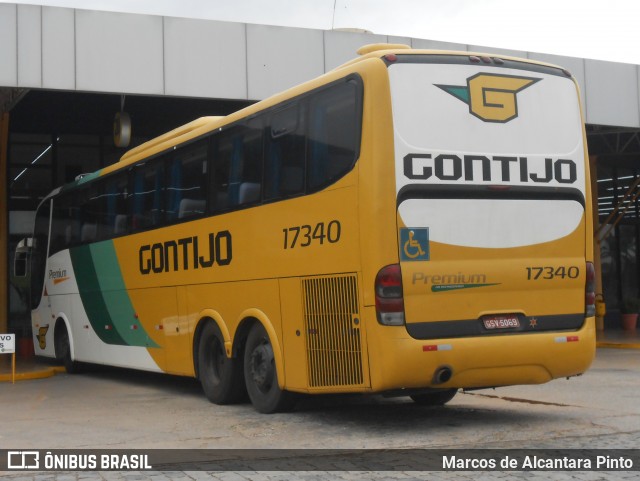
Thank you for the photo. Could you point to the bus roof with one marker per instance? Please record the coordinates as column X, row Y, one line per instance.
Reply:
column 170, row 137
column 203, row 125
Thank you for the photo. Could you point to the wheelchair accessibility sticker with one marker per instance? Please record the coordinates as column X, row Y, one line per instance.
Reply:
column 414, row 244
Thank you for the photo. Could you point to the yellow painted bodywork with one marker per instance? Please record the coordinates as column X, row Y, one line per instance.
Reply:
column 263, row 280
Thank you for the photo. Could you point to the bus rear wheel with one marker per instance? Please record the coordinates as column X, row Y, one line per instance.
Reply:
column 220, row 376
column 261, row 376
column 436, row 398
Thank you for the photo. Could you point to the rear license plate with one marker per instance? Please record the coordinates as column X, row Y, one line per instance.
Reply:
column 502, row 321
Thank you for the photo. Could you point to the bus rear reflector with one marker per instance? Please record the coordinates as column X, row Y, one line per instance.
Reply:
column 389, row 297
column 562, row 339
column 590, row 291
column 437, row 347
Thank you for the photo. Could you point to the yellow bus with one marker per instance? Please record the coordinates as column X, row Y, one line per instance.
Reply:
column 413, row 222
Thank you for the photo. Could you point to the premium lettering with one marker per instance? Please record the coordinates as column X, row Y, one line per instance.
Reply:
column 57, row 273
column 459, row 278
column 186, row 253
column 485, row 168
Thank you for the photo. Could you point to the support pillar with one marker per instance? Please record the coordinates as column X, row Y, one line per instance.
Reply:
column 593, row 164
column 4, row 224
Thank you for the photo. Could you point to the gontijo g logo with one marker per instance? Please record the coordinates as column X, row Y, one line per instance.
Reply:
column 491, row 97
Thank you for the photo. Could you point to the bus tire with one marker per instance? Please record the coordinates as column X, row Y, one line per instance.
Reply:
column 220, row 376
column 436, row 398
column 261, row 376
column 63, row 351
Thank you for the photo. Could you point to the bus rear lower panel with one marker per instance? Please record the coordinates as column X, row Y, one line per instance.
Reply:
column 402, row 362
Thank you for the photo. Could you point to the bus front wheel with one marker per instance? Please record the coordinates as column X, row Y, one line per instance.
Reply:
column 220, row 376
column 63, row 350
column 261, row 376
column 436, row 398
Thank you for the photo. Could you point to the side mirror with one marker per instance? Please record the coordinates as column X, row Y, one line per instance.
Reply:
column 21, row 259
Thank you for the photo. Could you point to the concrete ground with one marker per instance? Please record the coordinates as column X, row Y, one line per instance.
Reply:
column 121, row 409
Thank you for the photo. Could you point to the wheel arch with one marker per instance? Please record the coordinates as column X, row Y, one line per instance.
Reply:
column 62, row 322
column 209, row 315
column 248, row 318
column 235, row 347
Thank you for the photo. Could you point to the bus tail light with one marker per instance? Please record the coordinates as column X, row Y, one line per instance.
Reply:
column 590, row 291
column 389, row 297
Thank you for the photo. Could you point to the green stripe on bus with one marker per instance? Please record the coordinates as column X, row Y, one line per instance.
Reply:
column 455, row 287
column 116, row 299
column 80, row 181
column 104, row 296
column 91, row 297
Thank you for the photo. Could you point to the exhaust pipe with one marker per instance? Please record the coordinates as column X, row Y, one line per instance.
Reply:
column 442, row 375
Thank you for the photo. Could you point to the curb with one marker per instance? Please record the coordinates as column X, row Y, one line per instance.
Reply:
column 617, row 345
column 30, row 375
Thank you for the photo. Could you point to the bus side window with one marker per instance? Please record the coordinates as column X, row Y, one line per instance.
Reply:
column 221, row 161
column 147, row 195
column 186, row 196
column 237, row 164
column 334, row 134
column 285, row 156
column 115, row 219
column 65, row 227
column 92, row 213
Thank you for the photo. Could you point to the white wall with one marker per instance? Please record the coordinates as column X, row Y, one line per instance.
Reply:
column 8, row 45
column 205, row 58
column 69, row 49
column 119, row 50
column 612, row 93
column 58, row 48
column 279, row 58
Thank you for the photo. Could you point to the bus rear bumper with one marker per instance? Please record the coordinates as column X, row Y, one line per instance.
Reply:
column 402, row 362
